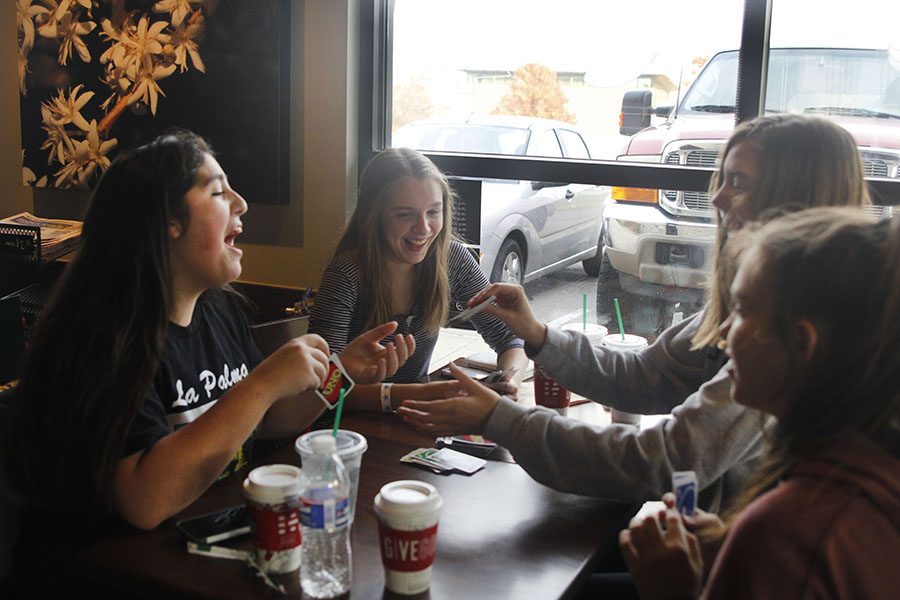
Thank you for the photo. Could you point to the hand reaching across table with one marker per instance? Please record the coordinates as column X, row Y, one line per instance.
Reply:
column 467, row 412
column 511, row 306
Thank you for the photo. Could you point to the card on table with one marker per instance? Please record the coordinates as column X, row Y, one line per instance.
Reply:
column 444, row 460
column 475, row 445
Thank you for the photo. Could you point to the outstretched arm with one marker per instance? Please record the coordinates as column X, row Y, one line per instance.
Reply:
column 467, row 412
column 151, row 485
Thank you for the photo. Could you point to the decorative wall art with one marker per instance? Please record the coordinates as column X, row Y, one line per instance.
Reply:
column 100, row 76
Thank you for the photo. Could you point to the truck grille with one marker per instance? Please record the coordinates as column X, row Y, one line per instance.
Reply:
column 876, row 163
column 694, row 204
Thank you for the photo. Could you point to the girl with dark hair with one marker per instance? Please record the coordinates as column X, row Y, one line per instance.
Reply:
column 811, row 339
column 397, row 260
column 781, row 162
column 143, row 384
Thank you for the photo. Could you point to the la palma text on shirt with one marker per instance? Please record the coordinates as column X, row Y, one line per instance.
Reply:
column 209, row 381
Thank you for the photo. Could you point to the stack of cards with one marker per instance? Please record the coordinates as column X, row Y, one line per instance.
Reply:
column 469, row 444
column 444, row 460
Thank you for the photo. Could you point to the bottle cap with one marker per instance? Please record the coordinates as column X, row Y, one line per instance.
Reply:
column 323, row 444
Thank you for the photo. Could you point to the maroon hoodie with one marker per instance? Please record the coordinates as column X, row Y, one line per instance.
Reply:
column 831, row 529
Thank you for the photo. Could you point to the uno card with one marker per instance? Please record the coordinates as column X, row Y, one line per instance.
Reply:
column 474, row 445
column 458, row 461
column 423, row 457
column 684, row 484
column 336, row 380
column 444, row 460
column 471, row 312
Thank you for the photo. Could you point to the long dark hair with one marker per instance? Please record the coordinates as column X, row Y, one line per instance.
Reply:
column 381, row 178
column 803, row 162
column 99, row 340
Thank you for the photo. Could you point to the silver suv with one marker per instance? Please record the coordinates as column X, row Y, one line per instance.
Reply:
column 527, row 228
column 658, row 244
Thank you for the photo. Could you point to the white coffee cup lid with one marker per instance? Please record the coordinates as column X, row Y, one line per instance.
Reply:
column 349, row 443
column 408, row 497
column 272, row 484
column 595, row 333
column 631, row 342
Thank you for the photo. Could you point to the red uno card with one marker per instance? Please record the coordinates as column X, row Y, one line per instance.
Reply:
column 336, row 380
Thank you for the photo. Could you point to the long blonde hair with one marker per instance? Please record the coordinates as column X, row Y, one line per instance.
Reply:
column 803, row 162
column 364, row 235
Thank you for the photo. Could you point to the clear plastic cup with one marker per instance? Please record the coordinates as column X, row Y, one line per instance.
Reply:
column 350, row 447
column 407, row 512
column 594, row 333
column 628, row 343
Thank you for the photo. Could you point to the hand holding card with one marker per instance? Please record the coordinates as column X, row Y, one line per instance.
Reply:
column 471, row 312
column 335, row 380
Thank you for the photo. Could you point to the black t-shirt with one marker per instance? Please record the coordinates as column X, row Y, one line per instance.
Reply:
column 199, row 364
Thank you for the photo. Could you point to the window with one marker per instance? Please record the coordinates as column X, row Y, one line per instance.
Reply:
column 581, row 82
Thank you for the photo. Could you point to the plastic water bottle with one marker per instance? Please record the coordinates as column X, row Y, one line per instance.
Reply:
column 324, row 516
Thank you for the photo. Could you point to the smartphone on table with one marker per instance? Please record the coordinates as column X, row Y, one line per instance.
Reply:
column 216, row 526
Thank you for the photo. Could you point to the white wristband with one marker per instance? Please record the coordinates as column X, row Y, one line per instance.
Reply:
column 386, row 398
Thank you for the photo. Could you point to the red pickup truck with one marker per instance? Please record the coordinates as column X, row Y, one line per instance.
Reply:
column 658, row 244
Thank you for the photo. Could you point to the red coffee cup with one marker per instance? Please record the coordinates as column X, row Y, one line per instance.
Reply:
column 547, row 392
column 407, row 531
column 273, row 504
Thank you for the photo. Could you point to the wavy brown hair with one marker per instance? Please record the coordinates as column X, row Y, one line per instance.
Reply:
column 839, row 269
column 803, row 162
column 431, row 286
column 99, row 340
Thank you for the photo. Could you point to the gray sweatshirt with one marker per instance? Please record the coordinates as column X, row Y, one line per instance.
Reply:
column 706, row 431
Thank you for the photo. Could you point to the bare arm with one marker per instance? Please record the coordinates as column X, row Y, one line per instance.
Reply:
column 368, row 397
column 153, row 484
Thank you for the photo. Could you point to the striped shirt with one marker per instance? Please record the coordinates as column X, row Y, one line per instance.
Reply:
column 339, row 317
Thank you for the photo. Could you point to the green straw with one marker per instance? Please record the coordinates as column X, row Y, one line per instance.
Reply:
column 337, row 414
column 584, row 311
column 619, row 317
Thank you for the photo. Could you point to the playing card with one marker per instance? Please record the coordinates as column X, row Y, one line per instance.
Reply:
column 336, row 380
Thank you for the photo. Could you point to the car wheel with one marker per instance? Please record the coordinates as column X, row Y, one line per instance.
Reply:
column 510, row 264
column 592, row 265
column 608, row 288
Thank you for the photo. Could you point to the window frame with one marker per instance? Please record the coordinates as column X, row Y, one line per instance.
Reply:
column 375, row 85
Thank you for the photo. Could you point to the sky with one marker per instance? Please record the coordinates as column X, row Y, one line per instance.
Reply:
column 613, row 42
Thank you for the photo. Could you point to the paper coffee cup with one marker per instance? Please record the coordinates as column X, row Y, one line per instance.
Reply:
column 549, row 393
column 273, row 504
column 350, row 446
column 630, row 343
column 407, row 531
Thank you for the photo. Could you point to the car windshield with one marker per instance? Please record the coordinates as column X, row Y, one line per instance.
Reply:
column 827, row 82
column 481, row 139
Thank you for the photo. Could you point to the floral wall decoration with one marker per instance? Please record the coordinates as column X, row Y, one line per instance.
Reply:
column 100, row 76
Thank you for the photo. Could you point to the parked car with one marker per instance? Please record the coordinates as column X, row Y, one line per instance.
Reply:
column 528, row 228
column 658, row 244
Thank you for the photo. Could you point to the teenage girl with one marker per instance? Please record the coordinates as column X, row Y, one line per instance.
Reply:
column 397, row 260
column 811, row 340
column 143, row 384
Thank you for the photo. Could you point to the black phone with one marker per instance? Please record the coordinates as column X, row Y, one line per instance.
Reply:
column 216, row 526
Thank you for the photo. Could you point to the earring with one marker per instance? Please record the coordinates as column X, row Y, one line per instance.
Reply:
column 722, row 344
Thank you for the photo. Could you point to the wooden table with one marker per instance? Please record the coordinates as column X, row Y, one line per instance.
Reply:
column 501, row 534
